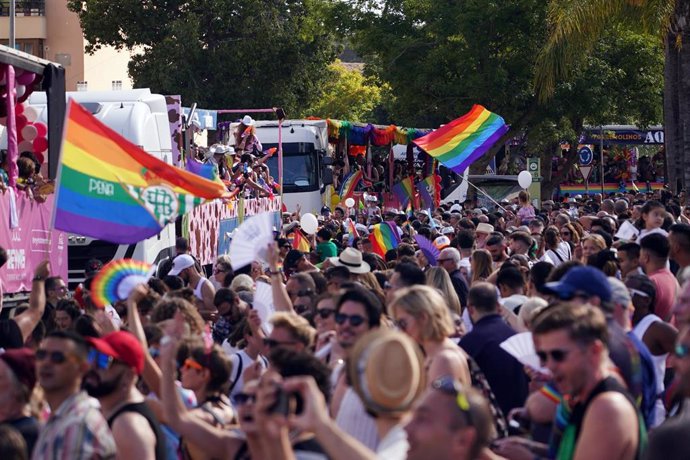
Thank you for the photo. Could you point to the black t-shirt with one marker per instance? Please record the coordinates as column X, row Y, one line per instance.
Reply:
column 10, row 334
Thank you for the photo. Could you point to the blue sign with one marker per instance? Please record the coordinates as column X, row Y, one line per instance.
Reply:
column 208, row 119
column 586, row 156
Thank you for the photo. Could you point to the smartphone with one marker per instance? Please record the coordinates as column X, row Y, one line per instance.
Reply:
column 282, row 404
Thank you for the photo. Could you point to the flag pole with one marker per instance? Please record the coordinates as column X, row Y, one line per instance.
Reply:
column 485, row 194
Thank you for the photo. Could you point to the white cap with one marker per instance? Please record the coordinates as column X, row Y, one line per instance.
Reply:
column 456, row 208
column 180, row 263
column 247, row 121
column 447, row 230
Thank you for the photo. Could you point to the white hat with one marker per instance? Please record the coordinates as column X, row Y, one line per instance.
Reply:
column 485, row 228
column 247, row 121
column 352, row 259
column 362, row 229
column 218, row 149
column 447, row 230
column 229, row 150
column 456, row 208
column 180, row 263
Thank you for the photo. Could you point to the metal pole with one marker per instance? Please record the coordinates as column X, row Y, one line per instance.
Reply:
column 280, row 158
column 601, row 160
column 12, row 16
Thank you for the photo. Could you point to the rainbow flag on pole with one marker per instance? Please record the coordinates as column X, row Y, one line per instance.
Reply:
column 347, row 188
column 110, row 189
column 384, row 237
column 427, row 191
column 462, row 141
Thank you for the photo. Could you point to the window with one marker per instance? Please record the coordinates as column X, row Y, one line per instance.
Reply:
column 32, row 46
column 24, row 7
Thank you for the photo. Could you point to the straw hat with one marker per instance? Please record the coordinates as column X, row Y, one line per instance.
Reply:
column 386, row 371
column 352, row 259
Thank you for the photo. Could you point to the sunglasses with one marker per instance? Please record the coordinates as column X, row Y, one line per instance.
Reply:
column 325, row 313
column 557, row 356
column 272, row 343
column 681, row 350
column 355, row 320
column 240, row 399
column 101, row 360
column 55, row 357
column 449, row 386
column 189, row 363
column 219, row 270
column 401, row 324
column 565, row 233
column 154, row 352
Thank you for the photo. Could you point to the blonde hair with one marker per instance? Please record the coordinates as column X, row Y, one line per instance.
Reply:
column 369, row 281
column 598, row 240
column 523, row 196
column 481, row 265
column 429, row 308
column 439, row 278
column 298, row 326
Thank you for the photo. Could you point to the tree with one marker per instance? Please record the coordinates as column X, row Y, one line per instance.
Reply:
column 219, row 53
column 575, row 27
column 348, row 95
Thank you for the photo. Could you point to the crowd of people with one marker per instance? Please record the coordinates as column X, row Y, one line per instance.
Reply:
column 341, row 353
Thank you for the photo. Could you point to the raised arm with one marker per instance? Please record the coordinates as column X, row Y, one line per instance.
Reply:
column 28, row 320
column 152, row 373
column 281, row 299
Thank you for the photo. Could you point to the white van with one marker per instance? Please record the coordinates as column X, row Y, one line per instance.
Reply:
column 142, row 118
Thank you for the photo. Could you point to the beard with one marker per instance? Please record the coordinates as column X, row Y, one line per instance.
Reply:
column 96, row 387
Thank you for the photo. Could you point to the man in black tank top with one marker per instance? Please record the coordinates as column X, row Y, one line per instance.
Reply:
column 117, row 360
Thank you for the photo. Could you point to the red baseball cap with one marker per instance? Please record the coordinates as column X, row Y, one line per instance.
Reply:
column 122, row 346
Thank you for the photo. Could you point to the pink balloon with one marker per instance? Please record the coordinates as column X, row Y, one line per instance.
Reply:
column 25, row 146
column 19, row 109
column 40, row 144
column 26, row 78
column 29, row 132
column 42, row 130
column 20, row 136
column 21, row 121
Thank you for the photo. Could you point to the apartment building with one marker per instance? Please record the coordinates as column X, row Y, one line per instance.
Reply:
column 47, row 29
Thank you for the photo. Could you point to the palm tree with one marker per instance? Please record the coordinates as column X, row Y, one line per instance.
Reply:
column 576, row 25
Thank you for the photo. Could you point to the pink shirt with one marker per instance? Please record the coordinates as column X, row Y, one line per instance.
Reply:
column 666, row 289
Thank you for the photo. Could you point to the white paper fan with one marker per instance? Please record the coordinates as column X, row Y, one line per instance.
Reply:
column 263, row 304
column 521, row 347
column 250, row 240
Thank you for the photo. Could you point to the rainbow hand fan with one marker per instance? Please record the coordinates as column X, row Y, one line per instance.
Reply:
column 430, row 251
column 116, row 280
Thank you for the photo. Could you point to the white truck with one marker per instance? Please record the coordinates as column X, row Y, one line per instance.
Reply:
column 305, row 172
column 142, row 118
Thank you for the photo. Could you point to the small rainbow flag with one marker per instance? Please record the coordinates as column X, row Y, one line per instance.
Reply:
column 352, row 230
column 428, row 191
column 403, row 191
column 300, row 242
column 347, row 188
column 384, row 237
column 110, row 189
column 462, row 141
column 205, row 170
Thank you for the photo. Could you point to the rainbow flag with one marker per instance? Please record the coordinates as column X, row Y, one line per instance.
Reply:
column 347, row 188
column 110, row 189
column 205, row 170
column 352, row 230
column 300, row 242
column 427, row 191
column 462, row 141
column 403, row 191
column 384, row 237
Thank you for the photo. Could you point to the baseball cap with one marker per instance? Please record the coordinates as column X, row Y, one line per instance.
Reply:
column 456, row 208
column 180, row 263
column 447, row 230
column 584, row 280
column 122, row 346
column 619, row 292
column 442, row 242
column 325, row 210
column 640, row 284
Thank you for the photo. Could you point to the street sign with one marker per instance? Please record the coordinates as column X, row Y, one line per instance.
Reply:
column 586, row 171
column 586, row 155
column 534, row 166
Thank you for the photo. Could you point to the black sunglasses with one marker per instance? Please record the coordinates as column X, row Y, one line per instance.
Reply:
column 55, row 357
column 325, row 313
column 556, row 355
column 241, row 399
column 355, row 320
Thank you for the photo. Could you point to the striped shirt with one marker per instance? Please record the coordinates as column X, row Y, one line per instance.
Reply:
column 76, row 430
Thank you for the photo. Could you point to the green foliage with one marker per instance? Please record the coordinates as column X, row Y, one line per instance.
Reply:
column 348, row 95
column 219, row 53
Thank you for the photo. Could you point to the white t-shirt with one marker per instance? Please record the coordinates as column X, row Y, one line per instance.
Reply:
column 241, row 361
column 557, row 257
column 394, row 445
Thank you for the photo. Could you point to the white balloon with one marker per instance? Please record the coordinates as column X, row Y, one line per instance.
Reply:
column 20, row 89
column 29, row 132
column 309, row 223
column 30, row 113
column 525, row 179
column 25, row 146
column 350, row 202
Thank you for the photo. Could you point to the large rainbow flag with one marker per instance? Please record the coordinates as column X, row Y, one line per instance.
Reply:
column 384, row 237
column 110, row 189
column 462, row 141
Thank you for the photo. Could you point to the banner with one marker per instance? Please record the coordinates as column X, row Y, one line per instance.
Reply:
column 652, row 136
column 30, row 243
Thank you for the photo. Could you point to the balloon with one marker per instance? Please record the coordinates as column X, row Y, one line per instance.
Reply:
column 29, row 132
column 525, row 179
column 309, row 223
column 3, row 121
column 30, row 113
column 42, row 129
column 40, row 144
column 26, row 78
column 21, row 121
column 25, row 146
column 19, row 109
column 20, row 89
column 350, row 202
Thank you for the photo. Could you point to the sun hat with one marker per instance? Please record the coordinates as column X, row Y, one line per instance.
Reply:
column 352, row 259
column 180, row 263
column 122, row 346
column 247, row 121
column 485, row 228
column 386, row 371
